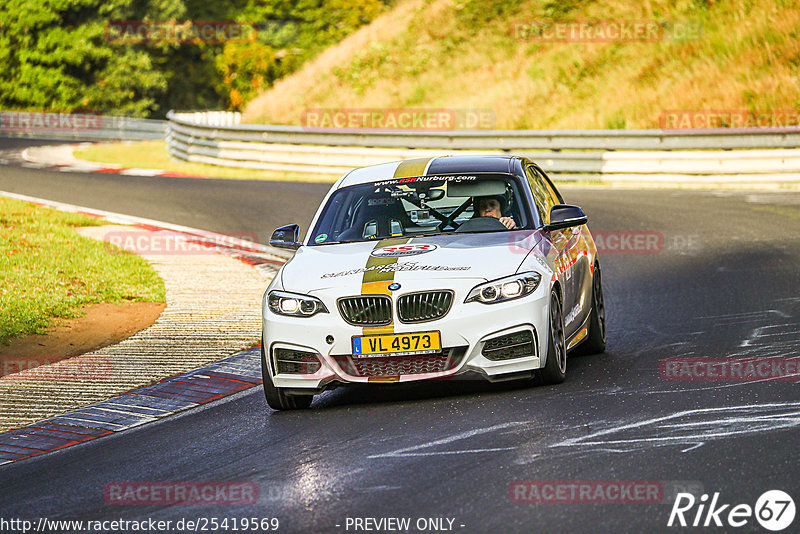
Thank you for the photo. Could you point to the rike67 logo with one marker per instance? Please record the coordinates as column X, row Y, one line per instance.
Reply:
column 395, row 251
column 774, row 510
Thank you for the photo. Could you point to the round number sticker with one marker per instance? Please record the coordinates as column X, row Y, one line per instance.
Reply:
column 775, row 510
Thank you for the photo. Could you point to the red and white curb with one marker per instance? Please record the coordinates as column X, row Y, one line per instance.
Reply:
column 60, row 158
column 221, row 379
column 141, row 405
column 263, row 257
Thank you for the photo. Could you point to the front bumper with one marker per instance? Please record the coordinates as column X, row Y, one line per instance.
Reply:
column 464, row 333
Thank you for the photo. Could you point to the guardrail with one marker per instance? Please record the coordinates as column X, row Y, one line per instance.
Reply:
column 79, row 126
column 219, row 138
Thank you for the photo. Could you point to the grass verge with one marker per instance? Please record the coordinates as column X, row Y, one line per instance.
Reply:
column 48, row 271
column 154, row 155
column 493, row 56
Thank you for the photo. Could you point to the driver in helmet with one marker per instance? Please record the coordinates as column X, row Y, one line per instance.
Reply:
column 493, row 206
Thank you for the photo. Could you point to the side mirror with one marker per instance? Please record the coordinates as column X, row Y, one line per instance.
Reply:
column 286, row 237
column 565, row 216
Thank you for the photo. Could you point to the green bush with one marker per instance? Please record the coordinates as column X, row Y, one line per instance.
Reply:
column 56, row 55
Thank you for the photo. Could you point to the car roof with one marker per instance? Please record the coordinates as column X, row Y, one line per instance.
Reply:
column 431, row 166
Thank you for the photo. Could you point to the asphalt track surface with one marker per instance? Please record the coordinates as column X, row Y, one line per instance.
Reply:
column 725, row 284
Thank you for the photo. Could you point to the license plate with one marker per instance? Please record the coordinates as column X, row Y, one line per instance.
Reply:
column 396, row 344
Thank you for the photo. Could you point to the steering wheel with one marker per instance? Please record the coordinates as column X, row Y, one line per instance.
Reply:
column 451, row 219
column 481, row 224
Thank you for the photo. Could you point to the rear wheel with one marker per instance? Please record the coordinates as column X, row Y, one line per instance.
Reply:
column 276, row 398
column 595, row 341
column 555, row 366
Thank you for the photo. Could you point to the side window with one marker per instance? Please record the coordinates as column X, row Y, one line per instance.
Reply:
column 554, row 195
column 541, row 194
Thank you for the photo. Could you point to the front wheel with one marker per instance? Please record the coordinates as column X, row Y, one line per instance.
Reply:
column 277, row 399
column 595, row 341
column 555, row 366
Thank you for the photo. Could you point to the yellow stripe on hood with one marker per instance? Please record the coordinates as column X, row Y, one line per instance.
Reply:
column 377, row 283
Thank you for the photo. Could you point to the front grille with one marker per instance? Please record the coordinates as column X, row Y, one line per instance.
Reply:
column 424, row 306
column 366, row 310
column 509, row 346
column 296, row 362
column 420, row 364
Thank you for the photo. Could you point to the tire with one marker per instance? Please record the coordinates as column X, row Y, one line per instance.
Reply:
column 595, row 341
column 276, row 398
column 555, row 366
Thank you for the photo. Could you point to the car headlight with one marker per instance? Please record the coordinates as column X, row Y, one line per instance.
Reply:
column 294, row 304
column 511, row 287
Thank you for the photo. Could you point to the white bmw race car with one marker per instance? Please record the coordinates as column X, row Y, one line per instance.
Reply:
column 431, row 268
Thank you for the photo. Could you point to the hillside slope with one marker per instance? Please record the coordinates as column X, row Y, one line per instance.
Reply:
column 472, row 54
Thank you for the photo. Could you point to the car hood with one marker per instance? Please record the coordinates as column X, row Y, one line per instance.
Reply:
column 485, row 256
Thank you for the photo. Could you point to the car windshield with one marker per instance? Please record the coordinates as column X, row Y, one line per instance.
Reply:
column 419, row 206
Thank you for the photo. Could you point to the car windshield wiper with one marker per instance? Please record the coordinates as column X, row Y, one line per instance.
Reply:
column 334, row 242
column 426, row 234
